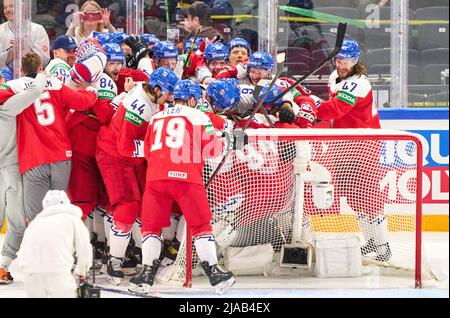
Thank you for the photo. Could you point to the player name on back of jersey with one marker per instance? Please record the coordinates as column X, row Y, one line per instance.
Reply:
column 178, row 175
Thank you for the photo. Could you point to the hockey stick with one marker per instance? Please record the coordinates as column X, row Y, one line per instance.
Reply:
column 256, row 92
column 256, row 96
column 125, row 292
column 342, row 28
column 191, row 49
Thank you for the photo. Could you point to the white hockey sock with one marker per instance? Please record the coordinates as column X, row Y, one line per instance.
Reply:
column 98, row 226
column 89, row 222
column 137, row 235
column 205, row 246
column 118, row 242
column 107, row 224
column 5, row 262
column 374, row 228
column 151, row 249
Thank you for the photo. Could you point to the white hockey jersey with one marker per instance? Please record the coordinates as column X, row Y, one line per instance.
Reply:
column 58, row 68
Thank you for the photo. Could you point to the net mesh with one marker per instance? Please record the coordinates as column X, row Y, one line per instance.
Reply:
column 253, row 197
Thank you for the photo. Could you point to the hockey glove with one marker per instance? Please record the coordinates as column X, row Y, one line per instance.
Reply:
column 307, row 115
column 285, row 114
column 237, row 139
column 139, row 51
column 229, row 71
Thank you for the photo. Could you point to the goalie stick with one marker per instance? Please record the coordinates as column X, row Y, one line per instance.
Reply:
column 342, row 28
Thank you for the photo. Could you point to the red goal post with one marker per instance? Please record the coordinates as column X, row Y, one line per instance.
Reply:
column 377, row 180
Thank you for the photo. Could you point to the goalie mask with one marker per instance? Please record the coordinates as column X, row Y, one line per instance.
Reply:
column 91, row 61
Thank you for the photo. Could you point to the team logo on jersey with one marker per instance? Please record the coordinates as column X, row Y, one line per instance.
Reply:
column 133, row 118
column 347, row 97
column 102, row 94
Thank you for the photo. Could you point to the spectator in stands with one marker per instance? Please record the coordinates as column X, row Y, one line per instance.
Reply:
column 40, row 41
column 90, row 18
column 197, row 18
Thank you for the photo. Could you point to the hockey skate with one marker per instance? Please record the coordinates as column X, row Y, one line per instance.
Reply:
column 114, row 272
column 218, row 278
column 142, row 283
column 99, row 251
column 5, row 277
column 105, row 257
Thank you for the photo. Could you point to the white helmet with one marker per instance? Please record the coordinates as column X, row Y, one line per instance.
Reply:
column 55, row 197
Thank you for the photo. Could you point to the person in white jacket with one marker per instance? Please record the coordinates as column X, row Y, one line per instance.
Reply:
column 51, row 240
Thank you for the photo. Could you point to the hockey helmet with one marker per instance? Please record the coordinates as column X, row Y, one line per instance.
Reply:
column 164, row 78
column 349, row 51
column 165, row 50
column 225, row 93
column 261, row 59
column 114, row 52
column 216, row 51
column 185, row 89
column 274, row 92
column 240, row 42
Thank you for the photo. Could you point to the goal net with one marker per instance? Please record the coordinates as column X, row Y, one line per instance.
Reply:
column 290, row 186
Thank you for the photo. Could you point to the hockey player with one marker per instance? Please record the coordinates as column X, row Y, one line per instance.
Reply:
column 119, row 156
column 260, row 66
column 82, row 129
column 177, row 141
column 217, row 60
column 86, row 188
column 351, row 105
column 150, row 39
column 64, row 51
column 139, row 65
column 42, row 128
column 188, row 45
column 49, row 244
column 11, row 188
column 165, row 55
column 240, row 51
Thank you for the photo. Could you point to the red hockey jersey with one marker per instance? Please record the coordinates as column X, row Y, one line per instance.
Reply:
column 351, row 103
column 124, row 135
column 41, row 130
column 177, row 142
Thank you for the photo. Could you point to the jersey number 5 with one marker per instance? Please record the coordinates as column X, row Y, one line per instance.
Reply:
column 44, row 111
column 175, row 134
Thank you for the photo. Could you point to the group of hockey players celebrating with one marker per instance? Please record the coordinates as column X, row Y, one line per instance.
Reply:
column 111, row 113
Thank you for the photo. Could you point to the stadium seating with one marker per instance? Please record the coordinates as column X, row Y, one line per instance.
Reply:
column 434, row 56
column 383, row 56
column 431, row 36
column 431, row 73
